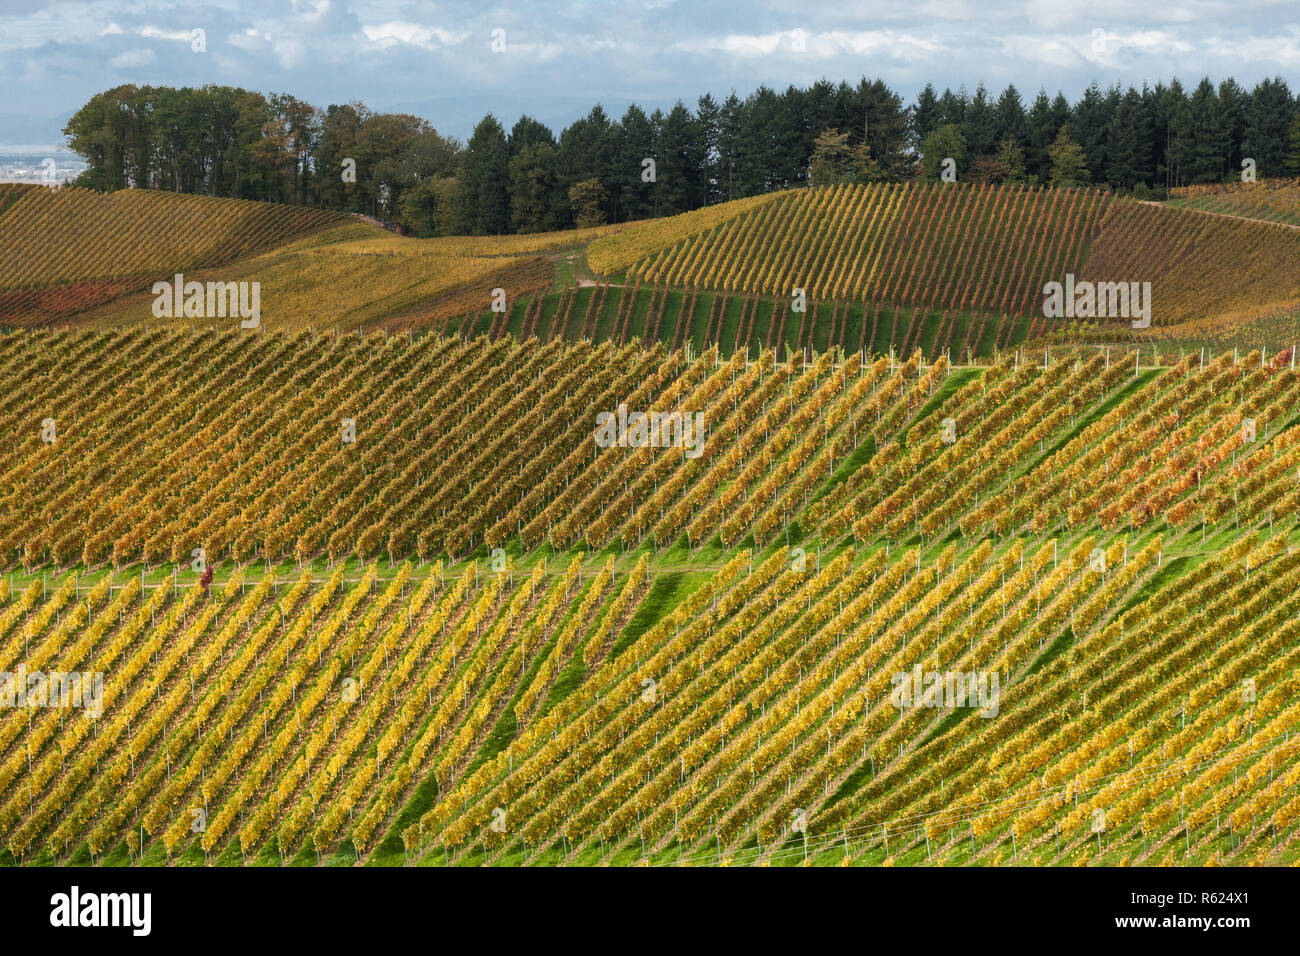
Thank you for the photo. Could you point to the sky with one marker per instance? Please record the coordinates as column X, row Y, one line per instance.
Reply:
column 452, row 62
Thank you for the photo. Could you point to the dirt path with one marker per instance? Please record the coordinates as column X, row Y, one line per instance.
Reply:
column 1225, row 215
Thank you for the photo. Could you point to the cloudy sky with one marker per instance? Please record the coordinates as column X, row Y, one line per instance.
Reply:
column 554, row 58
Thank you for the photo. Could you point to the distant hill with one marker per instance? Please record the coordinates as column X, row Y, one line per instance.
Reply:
column 953, row 267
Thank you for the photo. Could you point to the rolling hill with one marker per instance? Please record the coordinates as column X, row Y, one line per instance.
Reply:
column 651, row 567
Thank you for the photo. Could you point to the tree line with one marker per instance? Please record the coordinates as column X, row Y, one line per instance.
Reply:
column 226, row 141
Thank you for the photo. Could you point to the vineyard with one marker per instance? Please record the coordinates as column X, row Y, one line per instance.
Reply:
column 787, row 531
column 948, row 268
column 953, row 248
column 982, row 248
column 329, row 443
column 736, row 322
column 381, row 599
column 1200, row 266
column 68, row 250
column 368, row 287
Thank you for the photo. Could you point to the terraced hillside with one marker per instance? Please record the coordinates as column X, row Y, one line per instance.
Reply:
column 387, row 600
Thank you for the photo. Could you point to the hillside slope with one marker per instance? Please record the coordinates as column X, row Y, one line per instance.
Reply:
column 1275, row 200
column 944, row 266
column 69, row 249
column 672, row 657
column 940, row 245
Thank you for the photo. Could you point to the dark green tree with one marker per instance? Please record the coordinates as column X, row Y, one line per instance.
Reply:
column 1125, row 152
column 636, row 195
column 980, row 127
column 679, row 161
column 924, row 116
column 485, row 177
column 1009, row 116
column 1268, row 117
column 537, row 203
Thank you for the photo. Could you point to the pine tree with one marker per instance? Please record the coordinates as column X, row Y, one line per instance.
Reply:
column 1041, row 130
column 952, row 108
column 730, row 145
column 527, row 132
column 925, row 115
column 980, row 126
column 1268, row 118
column 635, row 196
column 679, row 154
column 1009, row 116
column 486, row 176
column 536, row 202
column 708, row 115
column 1293, row 146
column 882, row 122
column 1124, row 153
column 1233, row 103
column 1089, row 123
column 588, row 149
column 1207, row 154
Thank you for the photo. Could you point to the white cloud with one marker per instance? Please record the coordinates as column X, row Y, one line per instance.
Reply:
column 799, row 42
column 394, row 32
column 899, row 46
column 740, row 44
column 1281, row 50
